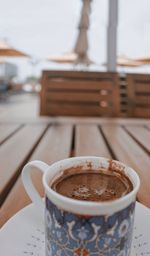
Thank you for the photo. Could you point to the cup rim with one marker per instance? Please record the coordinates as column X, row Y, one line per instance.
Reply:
column 88, row 207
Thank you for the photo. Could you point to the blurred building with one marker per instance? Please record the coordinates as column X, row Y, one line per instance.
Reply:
column 7, row 72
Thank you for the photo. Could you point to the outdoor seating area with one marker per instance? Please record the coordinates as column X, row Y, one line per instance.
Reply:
column 75, row 128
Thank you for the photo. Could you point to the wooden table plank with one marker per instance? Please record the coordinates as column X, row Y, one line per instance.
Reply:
column 14, row 152
column 75, row 120
column 54, row 146
column 148, row 127
column 100, row 120
column 6, row 130
column 141, row 135
column 89, row 141
column 129, row 152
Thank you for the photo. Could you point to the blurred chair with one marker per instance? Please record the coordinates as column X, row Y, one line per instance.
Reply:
column 78, row 93
column 138, row 92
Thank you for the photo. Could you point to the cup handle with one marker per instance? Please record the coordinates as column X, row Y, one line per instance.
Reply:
column 27, row 182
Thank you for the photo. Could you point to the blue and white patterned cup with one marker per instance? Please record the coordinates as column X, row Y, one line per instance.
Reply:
column 81, row 228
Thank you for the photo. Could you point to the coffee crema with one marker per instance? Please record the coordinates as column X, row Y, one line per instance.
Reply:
column 92, row 185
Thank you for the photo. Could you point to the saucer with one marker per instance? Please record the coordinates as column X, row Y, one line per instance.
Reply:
column 23, row 234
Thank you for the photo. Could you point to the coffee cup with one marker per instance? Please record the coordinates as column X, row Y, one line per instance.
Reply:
column 84, row 228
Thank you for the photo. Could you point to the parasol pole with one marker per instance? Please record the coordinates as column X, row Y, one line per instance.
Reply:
column 112, row 36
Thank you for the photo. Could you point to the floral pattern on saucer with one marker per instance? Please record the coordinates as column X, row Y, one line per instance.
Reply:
column 70, row 235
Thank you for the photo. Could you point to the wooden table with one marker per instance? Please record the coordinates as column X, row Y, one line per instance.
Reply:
column 52, row 139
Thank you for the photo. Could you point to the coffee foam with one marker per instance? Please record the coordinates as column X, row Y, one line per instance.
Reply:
column 92, row 185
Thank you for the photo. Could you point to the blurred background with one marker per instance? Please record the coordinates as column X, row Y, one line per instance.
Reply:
column 38, row 35
column 47, row 28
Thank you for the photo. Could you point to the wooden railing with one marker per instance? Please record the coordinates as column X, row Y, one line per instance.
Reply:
column 80, row 93
column 74, row 93
column 138, row 91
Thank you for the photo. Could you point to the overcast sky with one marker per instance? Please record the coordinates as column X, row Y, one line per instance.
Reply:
column 45, row 28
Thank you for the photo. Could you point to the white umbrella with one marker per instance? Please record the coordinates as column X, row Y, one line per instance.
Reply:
column 79, row 55
column 128, row 62
column 145, row 61
column 81, row 45
column 8, row 51
column 65, row 58
column 125, row 61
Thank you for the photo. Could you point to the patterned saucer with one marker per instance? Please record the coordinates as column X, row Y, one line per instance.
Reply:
column 23, row 234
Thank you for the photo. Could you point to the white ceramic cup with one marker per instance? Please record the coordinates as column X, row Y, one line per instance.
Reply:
column 84, row 226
